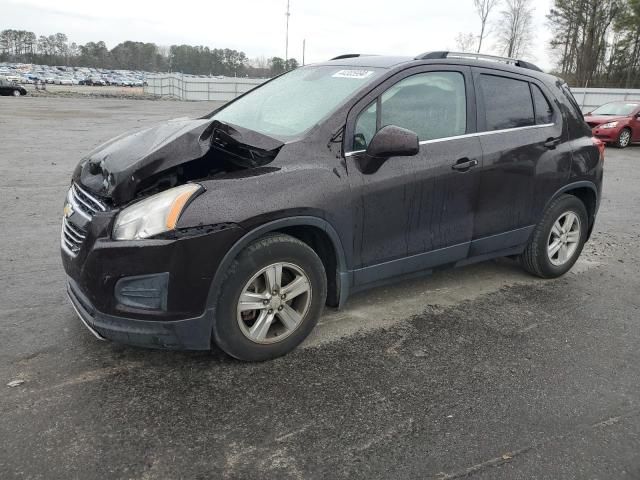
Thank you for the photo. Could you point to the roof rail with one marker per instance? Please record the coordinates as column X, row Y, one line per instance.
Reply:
column 346, row 55
column 353, row 55
column 477, row 56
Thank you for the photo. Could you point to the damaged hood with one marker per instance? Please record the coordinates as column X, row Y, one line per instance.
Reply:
column 115, row 169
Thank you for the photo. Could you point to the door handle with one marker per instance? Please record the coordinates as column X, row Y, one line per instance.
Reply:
column 552, row 143
column 464, row 164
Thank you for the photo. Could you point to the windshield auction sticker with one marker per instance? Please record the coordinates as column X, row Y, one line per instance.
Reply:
column 358, row 74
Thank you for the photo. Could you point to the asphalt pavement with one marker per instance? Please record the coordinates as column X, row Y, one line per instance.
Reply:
column 482, row 372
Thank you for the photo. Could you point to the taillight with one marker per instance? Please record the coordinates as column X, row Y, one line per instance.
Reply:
column 600, row 144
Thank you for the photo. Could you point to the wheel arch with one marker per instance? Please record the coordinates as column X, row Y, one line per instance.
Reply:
column 315, row 232
column 587, row 192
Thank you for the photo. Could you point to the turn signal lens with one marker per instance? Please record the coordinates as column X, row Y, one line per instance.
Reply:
column 176, row 209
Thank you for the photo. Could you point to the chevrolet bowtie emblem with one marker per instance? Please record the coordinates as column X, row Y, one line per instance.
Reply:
column 68, row 210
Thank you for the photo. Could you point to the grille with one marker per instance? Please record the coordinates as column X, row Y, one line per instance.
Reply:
column 72, row 237
column 83, row 205
column 84, row 202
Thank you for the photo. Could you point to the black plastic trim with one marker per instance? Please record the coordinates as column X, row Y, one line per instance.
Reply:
column 298, row 221
column 408, row 265
column 187, row 334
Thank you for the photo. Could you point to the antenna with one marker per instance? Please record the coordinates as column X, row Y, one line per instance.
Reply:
column 286, row 45
column 304, row 45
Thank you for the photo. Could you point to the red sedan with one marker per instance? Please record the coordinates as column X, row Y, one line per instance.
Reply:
column 616, row 123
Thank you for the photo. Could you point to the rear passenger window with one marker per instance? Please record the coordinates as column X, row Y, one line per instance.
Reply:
column 544, row 112
column 507, row 102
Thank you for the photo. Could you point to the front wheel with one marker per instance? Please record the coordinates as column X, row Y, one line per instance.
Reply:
column 624, row 139
column 557, row 241
column 270, row 299
column 16, row 93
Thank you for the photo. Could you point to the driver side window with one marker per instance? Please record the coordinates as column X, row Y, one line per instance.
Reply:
column 432, row 104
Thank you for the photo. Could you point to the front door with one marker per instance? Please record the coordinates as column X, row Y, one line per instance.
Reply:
column 415, row 212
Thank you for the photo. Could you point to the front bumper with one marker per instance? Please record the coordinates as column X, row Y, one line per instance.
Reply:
column 188, row 334
column 607, row 135
column 152, row 293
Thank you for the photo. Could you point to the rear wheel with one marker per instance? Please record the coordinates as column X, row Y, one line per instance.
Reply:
column 270, row 300
column 624, row 139
column 558, row 239
column 16, row 93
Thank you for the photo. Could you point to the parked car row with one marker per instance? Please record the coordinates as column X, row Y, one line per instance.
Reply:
column 29, row 74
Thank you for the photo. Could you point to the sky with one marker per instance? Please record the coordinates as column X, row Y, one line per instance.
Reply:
column 257, row 27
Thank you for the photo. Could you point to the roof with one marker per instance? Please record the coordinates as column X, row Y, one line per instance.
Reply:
column 384, row 61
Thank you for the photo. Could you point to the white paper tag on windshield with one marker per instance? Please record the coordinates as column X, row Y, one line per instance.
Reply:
column 358, row 74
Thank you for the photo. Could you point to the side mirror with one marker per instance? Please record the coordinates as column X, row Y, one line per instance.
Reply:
column 392, row 141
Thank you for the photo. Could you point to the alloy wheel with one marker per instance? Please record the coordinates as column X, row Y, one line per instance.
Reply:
column 273, row 304
column 625, row 138
column 16, row 93
column 564, row 239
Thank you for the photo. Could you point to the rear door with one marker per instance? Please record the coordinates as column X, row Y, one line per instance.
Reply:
column 526, row 156
column 416, row 212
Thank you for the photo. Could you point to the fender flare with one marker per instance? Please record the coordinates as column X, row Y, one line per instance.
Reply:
column 573, row 186
column 297, row 221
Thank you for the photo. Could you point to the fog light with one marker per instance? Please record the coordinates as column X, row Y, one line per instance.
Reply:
column 144, row 291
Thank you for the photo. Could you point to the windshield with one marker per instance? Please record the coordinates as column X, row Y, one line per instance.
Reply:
column 293, row 103
column 623, row 109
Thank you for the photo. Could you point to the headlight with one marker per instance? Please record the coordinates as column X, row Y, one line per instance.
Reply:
column 609, row 125
column 153, row 215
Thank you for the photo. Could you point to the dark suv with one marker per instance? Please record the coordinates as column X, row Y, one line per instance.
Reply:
column 238, row 227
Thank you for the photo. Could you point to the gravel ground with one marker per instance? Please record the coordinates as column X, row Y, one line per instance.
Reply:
column 481, row 372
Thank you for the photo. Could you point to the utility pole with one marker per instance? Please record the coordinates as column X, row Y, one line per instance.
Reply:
column 286, row 45
column 304, row 42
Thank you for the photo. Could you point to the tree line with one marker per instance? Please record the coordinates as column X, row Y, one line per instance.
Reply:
column 27, row 47
column 597, row 43
column 594, row 43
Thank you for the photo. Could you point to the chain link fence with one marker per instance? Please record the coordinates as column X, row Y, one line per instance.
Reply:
column 186, row 87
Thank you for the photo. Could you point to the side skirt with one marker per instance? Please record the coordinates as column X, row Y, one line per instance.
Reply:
column 495, row 246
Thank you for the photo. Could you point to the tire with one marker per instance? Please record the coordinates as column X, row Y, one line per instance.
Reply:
column 624, row 138
column 16, row 93
column 537, row 258
column 235, row 328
